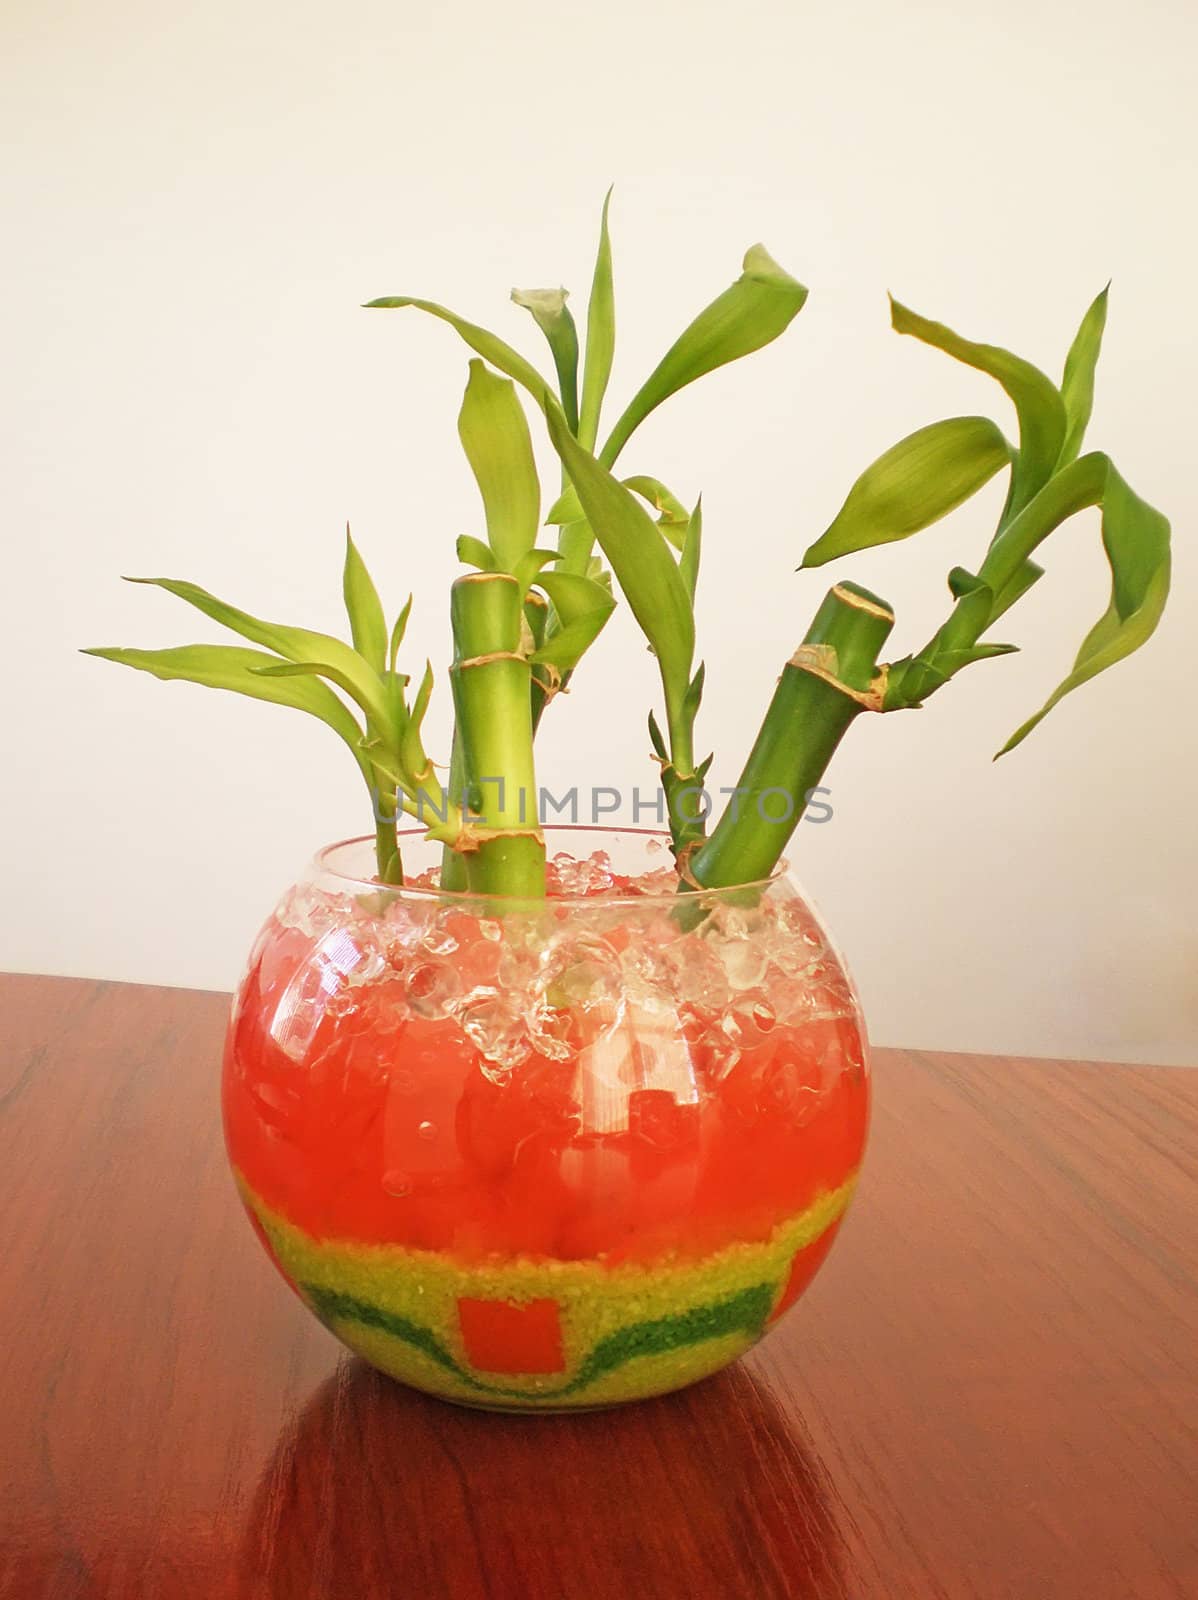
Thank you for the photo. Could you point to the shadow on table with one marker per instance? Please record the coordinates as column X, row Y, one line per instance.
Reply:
column 378, row 1491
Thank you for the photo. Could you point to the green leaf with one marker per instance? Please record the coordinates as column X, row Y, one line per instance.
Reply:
column 294, row 644
column 909, row 682
column 224, row 666
column 474, row 553
column 385, row 770
column 488, row 345
column 395, row 686
column 667, row 505
column 641, row 559
column 494, row 434
column 759, row 306
column 364, row 608
column 576, row 544
column 322, row 669
column 566, row 508
column 961, row 583
column 688, row 562
column 1136, row 539
column 397, row 633
column 1077, row 385
column 601, row 338
column 672, row 516
column 412, row 747
column 1028, row 574
column 915, row 483
column 530, row 564
column 582, row 608
column 552, row 316
column 694, row 693
column 1038, row 404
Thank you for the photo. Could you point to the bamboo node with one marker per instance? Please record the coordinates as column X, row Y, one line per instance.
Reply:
column 473, row 837
column 821, row 661
column 552, row 683
column 493, row 655
column 682, row 862
column 850, row 597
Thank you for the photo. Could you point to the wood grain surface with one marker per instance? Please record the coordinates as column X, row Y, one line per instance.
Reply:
column 991, row 1391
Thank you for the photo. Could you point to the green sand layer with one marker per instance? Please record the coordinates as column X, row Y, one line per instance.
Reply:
column 627, row 1331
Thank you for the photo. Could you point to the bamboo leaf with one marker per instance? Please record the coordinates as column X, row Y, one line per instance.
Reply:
column 909, row 682
column 582, row 607
column 488, row 345
column 913, row 484
column 672, row 514
column 601, row 338
column 494, row 434
column 1039, row 406
column 759, row 306
column 364, row 608
column 692, row 544
column 667, row 505
column 1015, row 589
column 385, row 770
column 474, row 553
column 395, row 685
column 397, row 633
column 1136, row 539
column 411, row 745
column 423, row 696
column 576, row 545
column 294, row 644
column 566, row 508
column 641, row 559
column 694, row 693
column 672, row 517
column 530, row 564
column 1077, row 385
column 552, row 315
column 223, row 666
column 322, row 669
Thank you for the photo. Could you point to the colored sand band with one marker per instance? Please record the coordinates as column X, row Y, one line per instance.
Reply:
column 617, row 1332
column 742, row 1313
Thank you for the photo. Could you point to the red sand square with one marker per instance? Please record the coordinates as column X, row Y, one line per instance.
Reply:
column 503, row 1336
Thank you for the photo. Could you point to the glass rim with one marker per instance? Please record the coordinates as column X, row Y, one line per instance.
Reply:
column 322, row 862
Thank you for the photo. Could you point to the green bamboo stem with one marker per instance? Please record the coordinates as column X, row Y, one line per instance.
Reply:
column 828, row 683
column 453, row 863
column 386, row 844
column 492, row 689
column 683, row 787
column 685, row 807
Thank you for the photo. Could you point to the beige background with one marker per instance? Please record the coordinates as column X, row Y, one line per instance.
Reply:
column 196, row 199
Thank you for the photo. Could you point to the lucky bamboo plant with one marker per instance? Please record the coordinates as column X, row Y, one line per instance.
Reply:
column 527, row 612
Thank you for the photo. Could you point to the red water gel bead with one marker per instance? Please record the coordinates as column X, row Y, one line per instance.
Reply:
column 503, row 1336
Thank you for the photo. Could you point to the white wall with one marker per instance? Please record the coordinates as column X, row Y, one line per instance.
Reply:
column 197, row 198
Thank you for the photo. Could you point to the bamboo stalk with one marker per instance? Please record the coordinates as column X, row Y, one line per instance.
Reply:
column 453, row 863
column 386, row 844
column 827, row 684
column 492, row 688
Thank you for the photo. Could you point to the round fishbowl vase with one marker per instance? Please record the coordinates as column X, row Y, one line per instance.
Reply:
column 553, row 1154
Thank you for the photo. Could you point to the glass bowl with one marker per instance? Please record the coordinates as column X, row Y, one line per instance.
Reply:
column 552, row 1154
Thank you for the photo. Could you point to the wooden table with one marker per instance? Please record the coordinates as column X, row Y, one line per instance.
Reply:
column 992, row 1389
